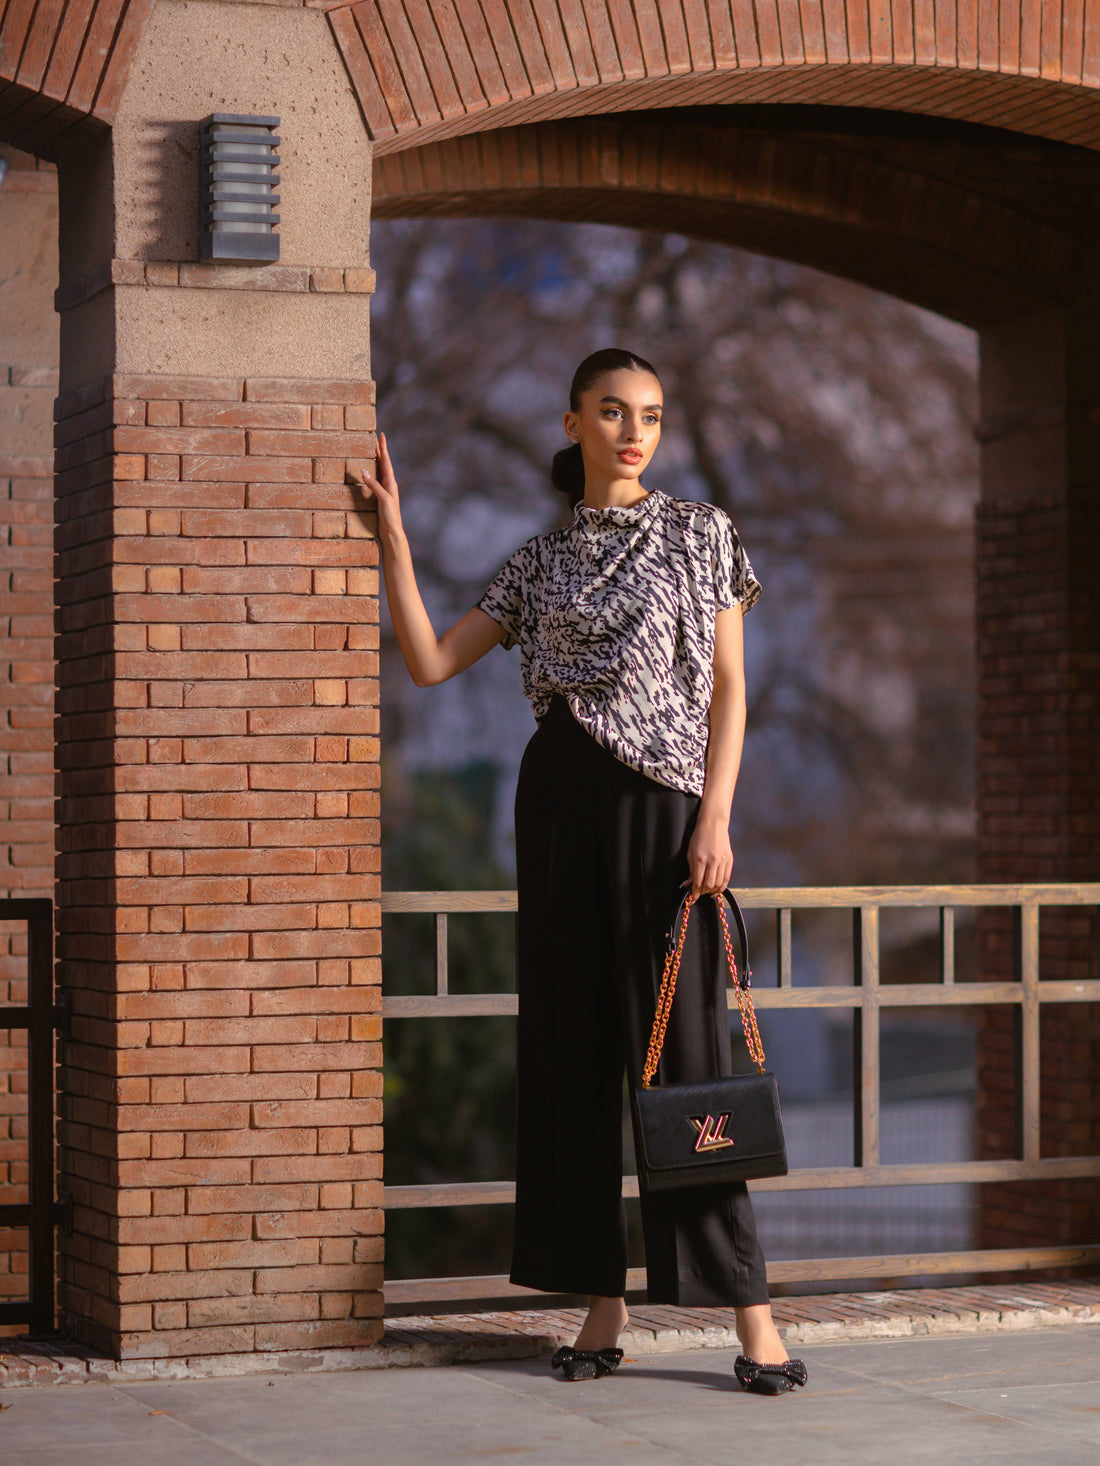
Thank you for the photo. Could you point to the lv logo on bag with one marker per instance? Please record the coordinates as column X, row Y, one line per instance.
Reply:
column 712, row 1133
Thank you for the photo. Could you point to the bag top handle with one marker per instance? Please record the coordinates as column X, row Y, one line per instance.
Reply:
column 745, row 978
column 741, row 982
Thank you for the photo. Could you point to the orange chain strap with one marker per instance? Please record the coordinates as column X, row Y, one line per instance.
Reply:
column 668, row 992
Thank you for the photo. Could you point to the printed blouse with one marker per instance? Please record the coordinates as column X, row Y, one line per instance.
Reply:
column 616, row 612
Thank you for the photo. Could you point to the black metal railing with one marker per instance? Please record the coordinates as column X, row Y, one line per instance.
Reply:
column 866, row 997
column 40, row 1016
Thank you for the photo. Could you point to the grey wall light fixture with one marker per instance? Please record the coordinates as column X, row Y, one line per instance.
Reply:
column 239, row 159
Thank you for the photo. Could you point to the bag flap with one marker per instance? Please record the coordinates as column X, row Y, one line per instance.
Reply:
column 717, row 1120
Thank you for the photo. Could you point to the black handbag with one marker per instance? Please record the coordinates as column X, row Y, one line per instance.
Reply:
column 713, row 1131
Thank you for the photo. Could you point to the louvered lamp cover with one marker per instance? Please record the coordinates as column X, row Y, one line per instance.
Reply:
column 239, row 157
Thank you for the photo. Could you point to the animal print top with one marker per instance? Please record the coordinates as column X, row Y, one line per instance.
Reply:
column 616, row 612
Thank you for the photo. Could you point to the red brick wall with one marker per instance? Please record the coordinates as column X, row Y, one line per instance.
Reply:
column 509, row 63
column 26, row 802
column 67, row 64
column 218, row 867
column 13, row 1118
column 26, row 854
column 1039, row 820
column 28, row 382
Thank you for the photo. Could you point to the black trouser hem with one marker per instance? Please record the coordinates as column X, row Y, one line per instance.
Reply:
column 573, row 1285
column 695, row 1293
column 685, row 1293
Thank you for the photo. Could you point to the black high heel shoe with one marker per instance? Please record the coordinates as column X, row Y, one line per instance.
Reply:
column 586, row 1363
column 768, row 1379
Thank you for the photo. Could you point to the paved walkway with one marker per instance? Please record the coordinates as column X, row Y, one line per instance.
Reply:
column 1005, row 1398
column 469, row 1338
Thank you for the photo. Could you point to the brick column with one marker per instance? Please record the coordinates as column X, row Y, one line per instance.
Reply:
column 218, row 875
column 1038, row 620
column 28, row 382
column 217, row 719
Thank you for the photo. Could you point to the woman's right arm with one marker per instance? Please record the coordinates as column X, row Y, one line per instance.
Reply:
column 429, row 658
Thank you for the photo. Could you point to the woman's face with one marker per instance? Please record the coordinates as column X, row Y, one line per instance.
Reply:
column 618, row 424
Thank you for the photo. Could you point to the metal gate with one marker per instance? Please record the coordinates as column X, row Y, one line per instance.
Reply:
column 41, row 1212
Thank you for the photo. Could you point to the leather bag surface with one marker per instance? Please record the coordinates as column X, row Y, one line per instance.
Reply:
column 743, row 1109
column 716, row 1131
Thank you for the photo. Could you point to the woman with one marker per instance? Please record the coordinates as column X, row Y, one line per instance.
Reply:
column 629, row 620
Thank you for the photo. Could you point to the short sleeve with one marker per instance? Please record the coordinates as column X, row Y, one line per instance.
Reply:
column 503, row 599
column 734, row 581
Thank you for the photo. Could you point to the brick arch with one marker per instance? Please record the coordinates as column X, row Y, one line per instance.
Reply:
column 429, row 69
column 924, row 218
column 64, row 68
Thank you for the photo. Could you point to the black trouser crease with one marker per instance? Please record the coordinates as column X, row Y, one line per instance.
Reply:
column 601, row 852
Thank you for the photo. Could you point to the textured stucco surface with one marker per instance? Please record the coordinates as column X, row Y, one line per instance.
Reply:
column 28, row 322
column 87, row 341
column 86, row 224
column 247, row 58
column 26, row 422
column 197, row 57
column 28, row 275
column 219, row 333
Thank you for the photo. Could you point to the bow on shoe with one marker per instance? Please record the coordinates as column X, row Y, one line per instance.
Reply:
column 586, row 1363
column 749, row 1373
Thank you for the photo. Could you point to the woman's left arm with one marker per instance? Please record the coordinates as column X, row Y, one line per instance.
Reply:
column 710, row 856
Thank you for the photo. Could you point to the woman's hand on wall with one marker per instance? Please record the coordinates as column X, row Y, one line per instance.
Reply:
column 430, row 659
column 387, row 497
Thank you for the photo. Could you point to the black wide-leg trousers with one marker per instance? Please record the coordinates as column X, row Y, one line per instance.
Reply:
column 601, row 852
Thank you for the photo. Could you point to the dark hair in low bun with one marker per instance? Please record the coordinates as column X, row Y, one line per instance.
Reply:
column 567, row 473
column 567, row 469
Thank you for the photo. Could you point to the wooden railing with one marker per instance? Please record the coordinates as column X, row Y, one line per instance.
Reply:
column 1027, row 992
